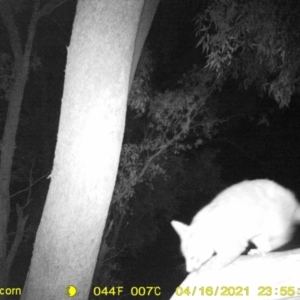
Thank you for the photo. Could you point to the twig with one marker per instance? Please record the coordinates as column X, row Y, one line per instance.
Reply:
column 30, row 186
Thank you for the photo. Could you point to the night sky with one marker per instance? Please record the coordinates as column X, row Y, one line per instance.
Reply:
column 260, row 140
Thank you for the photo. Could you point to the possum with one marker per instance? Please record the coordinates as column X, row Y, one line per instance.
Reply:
column 258, row 211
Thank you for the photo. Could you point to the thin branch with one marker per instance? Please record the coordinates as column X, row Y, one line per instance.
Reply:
column 233, row 144
column 50, row 6
column 30, row 186
column 31, row 30
column 19, row 236
column 162, row 148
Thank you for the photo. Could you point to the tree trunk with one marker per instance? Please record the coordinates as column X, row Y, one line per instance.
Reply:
column 88, row 148
column 272, row 276
column 146, row 19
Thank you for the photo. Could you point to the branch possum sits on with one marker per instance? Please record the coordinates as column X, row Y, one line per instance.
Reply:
column 260, row 211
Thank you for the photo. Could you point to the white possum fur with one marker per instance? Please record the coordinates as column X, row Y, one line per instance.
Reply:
column 260, row 211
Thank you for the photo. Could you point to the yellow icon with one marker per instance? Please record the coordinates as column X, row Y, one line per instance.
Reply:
column 71, row 291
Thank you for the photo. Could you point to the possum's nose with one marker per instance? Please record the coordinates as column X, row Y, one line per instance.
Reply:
column 189, row 269
column 193, row 265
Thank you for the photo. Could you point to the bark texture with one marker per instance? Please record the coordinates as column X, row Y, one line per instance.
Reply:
column 88, row 148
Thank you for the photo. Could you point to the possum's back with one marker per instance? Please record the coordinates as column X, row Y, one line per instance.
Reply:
column 251, row 207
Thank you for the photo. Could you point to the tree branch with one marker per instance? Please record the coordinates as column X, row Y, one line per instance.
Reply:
column 50, row 6
column 29, row 187
column 18, row 238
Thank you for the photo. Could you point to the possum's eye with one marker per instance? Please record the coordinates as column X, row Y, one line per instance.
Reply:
column 194, row 259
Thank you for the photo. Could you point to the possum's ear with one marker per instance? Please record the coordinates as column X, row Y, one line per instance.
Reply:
column 180, row 228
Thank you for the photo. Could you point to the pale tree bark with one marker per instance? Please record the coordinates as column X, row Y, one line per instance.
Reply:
column 89, row 141
column 271, row 276
column 145, row 22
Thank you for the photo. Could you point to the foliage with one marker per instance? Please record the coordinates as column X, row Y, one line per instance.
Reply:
column 172, row 117
column 167, row 124
column 140, row 89
column 253, row 39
